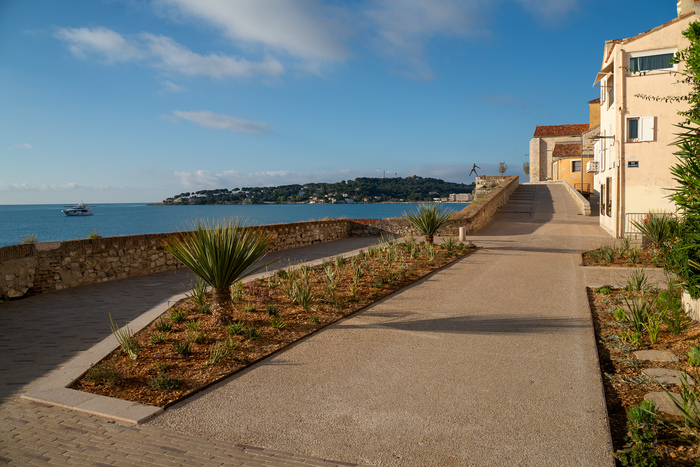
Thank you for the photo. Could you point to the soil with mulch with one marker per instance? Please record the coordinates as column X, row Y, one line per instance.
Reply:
column 647, row 259
column 267, row 321
column 623, row 380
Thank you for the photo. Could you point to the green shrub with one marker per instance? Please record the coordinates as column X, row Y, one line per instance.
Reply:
column 165, row 382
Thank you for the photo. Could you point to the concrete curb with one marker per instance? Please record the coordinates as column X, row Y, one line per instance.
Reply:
column 53, row 389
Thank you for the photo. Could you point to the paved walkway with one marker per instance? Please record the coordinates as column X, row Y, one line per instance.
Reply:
column 490, row 361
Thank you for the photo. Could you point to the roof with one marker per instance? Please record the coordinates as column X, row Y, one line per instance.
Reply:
column 567, row 150
column 542, row 131
column 674, row 20
column 595, row 101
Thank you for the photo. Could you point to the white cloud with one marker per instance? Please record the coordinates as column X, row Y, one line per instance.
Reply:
column 308, row 29
column 170, row 87
column 209, row 119
column 101, row 41
column 172, row 56
column 162, row 52
column 21, row 146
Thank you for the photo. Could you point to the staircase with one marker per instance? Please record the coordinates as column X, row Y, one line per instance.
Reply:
column 522, row 201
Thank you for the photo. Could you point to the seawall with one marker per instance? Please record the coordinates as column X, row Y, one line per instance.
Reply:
column 35, row 268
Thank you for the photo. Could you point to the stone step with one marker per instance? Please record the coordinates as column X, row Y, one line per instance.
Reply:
column 656, row 355
column 666, row 376
column 664, row 403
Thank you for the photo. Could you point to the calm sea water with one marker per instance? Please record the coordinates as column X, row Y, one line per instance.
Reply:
column 50, row 224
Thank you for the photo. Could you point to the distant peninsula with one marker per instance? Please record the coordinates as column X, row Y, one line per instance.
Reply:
column 360, row 190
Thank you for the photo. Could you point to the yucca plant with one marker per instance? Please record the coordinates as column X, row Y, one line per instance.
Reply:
column 656, row 226
column 220, row 253
column 428, row 219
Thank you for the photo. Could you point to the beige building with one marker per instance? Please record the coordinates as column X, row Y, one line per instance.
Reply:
column 634, row 150
column 561, row 152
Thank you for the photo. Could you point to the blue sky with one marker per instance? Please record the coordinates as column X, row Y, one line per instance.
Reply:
column 135, row 101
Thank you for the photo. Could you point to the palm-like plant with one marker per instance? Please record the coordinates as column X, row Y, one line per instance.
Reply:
column 428, row 219
column 219, row 253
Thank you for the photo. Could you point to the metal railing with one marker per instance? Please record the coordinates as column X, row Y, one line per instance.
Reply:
column 632, row 233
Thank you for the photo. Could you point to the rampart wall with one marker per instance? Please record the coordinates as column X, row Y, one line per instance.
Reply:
column 35, row 268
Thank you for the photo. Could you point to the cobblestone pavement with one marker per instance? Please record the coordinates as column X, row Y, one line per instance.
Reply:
column 38, row 334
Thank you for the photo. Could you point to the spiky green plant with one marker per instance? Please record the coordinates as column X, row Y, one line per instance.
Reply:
column 220, row 253
column 427, row 219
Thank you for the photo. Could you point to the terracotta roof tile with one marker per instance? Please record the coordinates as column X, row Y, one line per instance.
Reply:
column 542, row 131
column 597, row 101
column 567, row 150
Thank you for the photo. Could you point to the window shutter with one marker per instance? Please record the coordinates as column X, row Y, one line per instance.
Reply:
column 646, row 129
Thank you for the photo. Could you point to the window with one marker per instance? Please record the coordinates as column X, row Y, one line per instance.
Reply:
column 575, row 166
column 608, row 199
column 611, row 93
column 643, row 62
column 640, row 129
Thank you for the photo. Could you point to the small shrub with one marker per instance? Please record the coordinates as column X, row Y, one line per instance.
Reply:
column 450, row 244
column 125, row 338
column 605, row 290
column 277, row 323
column 249, row 307
column 196, row 337
column 619, row 314
column 694, row 355
column 205, row 309
column 165, row 382
column 163, row 325
column 271, row 310
column 637, row 281
column 637, row 313
column 633, row 255
column 104, row 373
column 607, row 253
column 194, row 325
column 177, row 315
column 313, row 319
column 217, row 353
column 642, row 433
column 656, row 226
column 237, row 291
column 199, row 293
column 29, row 238
column 653, row 326
column 236, row 329
column 252, row 333
column 94, row 235
column 182, row 347
column 159, row 337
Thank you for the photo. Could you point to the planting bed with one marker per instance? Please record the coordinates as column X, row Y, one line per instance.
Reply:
column 268, row 315
column 623, row 380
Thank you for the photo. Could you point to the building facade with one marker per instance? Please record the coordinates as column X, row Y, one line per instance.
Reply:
column 634, row 149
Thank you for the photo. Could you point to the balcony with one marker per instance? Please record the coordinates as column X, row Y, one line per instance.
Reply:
column 592, row 167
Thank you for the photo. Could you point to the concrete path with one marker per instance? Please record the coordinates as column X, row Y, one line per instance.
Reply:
column 41, row 333
column 491, row 361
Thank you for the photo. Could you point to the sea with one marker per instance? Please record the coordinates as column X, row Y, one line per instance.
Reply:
column 48, row 223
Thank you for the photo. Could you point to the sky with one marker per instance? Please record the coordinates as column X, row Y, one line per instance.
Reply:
column 121, row 101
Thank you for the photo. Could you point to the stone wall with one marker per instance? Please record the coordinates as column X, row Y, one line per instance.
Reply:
column 48, row 266
column 472, row 218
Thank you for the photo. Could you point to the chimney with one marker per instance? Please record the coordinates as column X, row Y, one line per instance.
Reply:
column 687, row 6
column 594, row 113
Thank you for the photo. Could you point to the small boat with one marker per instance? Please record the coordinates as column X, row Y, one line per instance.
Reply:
column 78, row 210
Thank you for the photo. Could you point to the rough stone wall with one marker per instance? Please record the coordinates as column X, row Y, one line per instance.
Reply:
column 48, row 266
column 44, row 267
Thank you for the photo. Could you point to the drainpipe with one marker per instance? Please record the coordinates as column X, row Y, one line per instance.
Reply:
column 621, row 152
